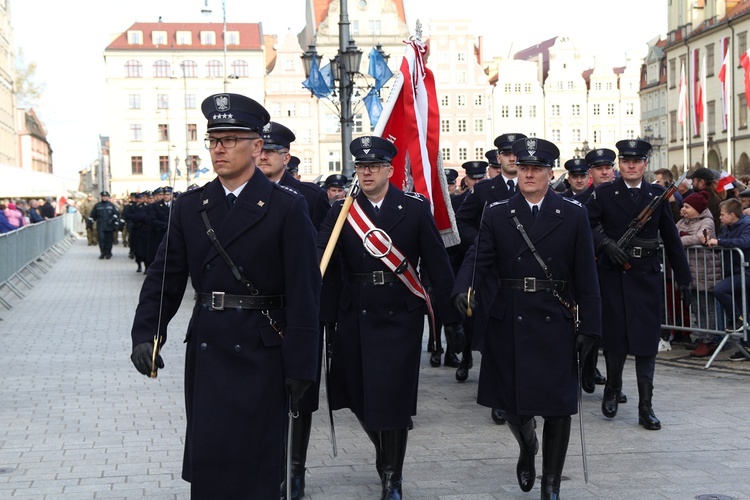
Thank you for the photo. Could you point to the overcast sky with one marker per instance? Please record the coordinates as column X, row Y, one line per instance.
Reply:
column 67, row 38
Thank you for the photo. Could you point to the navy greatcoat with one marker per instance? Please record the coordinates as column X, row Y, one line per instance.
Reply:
column 378, row 342
column 630, row 299
column 316, row 197
column 528, row 356
column 235, row 364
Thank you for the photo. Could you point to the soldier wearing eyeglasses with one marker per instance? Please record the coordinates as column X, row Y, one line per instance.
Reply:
column 378, row 342
column 253, row 339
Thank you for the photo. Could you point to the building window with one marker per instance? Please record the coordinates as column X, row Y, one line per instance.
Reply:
column 214, row 69
column 505, row 111
column 190, row 101
column 291, row 110
column 507, row 88
column 478, row 100
column 532, row 112
column 334, row 161
column 576, row 135
column 445, row 101
column 555, row 135
column 478, row 125
column 673, row 126
column 609, row 85
column 161, row 69
column 184, row 38
column 274, row 109
column 133, row 69
column 555, row 111
column 710, row 59
column 159, row 37
column 742, row 42
column 630, row 134
column 233, row 38
column 136, row 165
column 560, row 85
column 192, row 132
column 711, row 108
column 445, row 126
column 519, row 111
column 446, row 153
column 355, row 27
column 517, row 88
column 304, row 136
column 461, row 125
column 598, row 86
column 460, row 57
column 208, row 38
column 742, row 114
column 163, row 164
column 134, row 101
column 162, row 101
column 575, row 110
column 373, row 27
column 463, row 154
column 597, row 109
column 306, row 165
column 135, row 37
column 240, row 69
column 461, row 100
column 672, row 73
column 357, row 123
column 136, row 134
column 332, row 124
column 571, row 85
column 629, row 108
column 610, row 109
column 597, row 136
column 189, row 69
column 527, row 88
column 163, row 132
column 479, row 153
column 461, row 77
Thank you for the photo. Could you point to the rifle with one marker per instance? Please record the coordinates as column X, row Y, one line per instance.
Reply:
column 635, row 225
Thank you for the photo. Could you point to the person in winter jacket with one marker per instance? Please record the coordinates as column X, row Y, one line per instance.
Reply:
column 14, row 216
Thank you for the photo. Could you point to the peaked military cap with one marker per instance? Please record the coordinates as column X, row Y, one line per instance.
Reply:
column 633, row 148
column 535, row 151
column 104, row 193
column 577, row 166
column 159, row 190
column 293, row 165
column 491, row 156
column 475, row 169
column 138, row 196
column 505, row 142
column 234, row 112
column 451, row 175
column 276, row 136
column 372, row 149
column 336, row 180
column 167, row 189
column 600, row 156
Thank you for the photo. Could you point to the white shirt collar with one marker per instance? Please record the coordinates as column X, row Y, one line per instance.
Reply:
column 236, row 191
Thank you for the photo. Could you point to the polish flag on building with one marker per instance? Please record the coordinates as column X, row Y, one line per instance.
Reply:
column 723, row 80
column 411, row 120
column 682, row 105
column 745, row 63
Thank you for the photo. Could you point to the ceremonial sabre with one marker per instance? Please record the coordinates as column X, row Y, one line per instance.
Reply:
column 292, row 416
column 580, row 421
column 472, row 291
column 327, row 332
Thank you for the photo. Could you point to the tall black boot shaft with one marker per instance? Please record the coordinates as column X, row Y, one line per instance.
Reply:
column 529, row 446
column 375, row 439
column 613, row 387
column 555, row 438
column 646, row 416
column 393, row 451
column 301, row 427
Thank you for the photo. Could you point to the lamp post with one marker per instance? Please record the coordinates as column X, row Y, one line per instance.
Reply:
column 207, row 11
column 583, row 150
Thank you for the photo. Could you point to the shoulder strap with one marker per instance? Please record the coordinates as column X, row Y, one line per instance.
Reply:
column 536, row 255
column 232, row 267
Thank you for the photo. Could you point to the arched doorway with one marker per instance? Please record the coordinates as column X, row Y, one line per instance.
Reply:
column 713, row 160
column 743, row 165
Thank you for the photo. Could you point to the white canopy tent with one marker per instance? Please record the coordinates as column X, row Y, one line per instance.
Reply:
column 18, row 183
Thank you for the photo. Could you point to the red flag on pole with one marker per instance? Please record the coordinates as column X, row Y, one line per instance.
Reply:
column 745, row 63
column 682, row 105
column 411, row 120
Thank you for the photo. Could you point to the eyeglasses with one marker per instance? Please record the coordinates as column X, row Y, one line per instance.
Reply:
column 372, row 167
column 226, row 142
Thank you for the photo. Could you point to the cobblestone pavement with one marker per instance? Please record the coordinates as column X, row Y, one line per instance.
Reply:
column 78, row 422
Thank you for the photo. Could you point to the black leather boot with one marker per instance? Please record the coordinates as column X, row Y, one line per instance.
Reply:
column 451, row 359
column 612, row 388
column 646, row 416
column 529, row 445
column 393, row 451
column 300, row 439
column 497, row 417
column 435, row 357
column 467, row 361
column 555, row 439
column 375, row 438
column 587, row 371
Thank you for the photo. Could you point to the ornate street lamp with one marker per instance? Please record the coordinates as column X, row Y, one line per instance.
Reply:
column 207, row 11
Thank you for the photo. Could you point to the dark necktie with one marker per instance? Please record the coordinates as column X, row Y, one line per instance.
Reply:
column 634, row 192
column 511, row 186
column 534, row 210
column 377, row 209
column 230, row 199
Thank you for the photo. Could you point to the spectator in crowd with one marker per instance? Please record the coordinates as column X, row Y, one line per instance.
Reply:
column 744, row 197
column 735, row 233
column 685, row 188
column 697, row 223
column 48, row 210
column 662, row 177
column 14, row 216
column 5, row 226
column 34, row 215
column 703, row 180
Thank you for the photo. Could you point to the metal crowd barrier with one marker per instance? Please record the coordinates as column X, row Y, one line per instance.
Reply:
column 705, row 315
column 31, row 250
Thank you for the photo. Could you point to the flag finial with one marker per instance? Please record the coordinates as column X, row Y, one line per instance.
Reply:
column 418, row 30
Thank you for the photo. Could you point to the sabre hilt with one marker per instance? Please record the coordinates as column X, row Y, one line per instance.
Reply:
column 154, row 354
column 469, row 296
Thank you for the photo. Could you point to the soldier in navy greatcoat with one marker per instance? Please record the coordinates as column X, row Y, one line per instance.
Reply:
column 529, row 351
column 578, row 177
column 376, row 350
column 632, row 293
column 252, row 343
column 107, row 217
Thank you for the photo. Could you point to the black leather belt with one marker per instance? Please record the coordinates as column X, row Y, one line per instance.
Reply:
column 639, row 252
column 535, row 285
column 375, row 278
column 218, row 301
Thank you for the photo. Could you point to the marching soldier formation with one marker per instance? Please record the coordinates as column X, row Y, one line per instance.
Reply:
column 278, row 265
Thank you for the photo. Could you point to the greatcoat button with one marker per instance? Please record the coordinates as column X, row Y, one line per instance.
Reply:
column 237, row 348
column 204, row 345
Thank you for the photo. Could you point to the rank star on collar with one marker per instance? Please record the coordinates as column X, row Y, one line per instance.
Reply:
column 261, row 203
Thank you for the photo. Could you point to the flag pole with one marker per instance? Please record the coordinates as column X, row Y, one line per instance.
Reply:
column 704, row 104
column 728, row 82
column 684, row 124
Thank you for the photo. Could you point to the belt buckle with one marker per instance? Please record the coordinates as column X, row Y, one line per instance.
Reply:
column 217, row 301
column 529, row 284
column 637, row 252
column 378, row 278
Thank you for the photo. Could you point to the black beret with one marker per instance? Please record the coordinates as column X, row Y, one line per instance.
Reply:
column 234, row 112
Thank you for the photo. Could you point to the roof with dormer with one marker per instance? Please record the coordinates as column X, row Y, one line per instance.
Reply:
column 250, row 36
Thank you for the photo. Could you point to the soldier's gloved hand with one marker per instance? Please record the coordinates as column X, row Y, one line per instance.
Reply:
column 142, row 355
column 454, row 334
column 613, row 252
column 462, row 302
column 685, row 295
column 296, row 388
column 584, row 344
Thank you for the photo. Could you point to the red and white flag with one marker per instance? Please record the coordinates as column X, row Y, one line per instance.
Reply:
column 411, row 120
column 682, row 105
column 723, row 79
column 745, row 63
column 726, row 181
